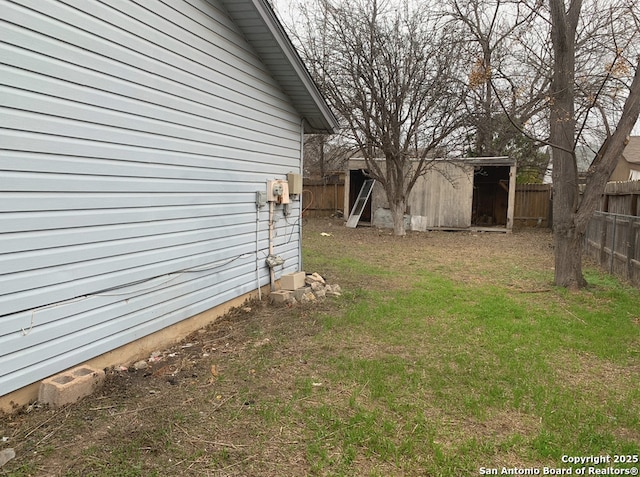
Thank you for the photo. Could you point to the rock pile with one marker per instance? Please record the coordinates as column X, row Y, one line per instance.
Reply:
column 304, row 288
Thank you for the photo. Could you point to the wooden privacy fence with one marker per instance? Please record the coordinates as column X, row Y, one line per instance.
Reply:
column 621, row 198
column 533, row 205
column 320, row 199
column 612, row 240
column 532, row 202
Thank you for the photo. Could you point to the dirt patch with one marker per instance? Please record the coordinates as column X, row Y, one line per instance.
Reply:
column 499, row 425
column 603, row 382
column 201, row 396
column 469, row 257
column 587, row 371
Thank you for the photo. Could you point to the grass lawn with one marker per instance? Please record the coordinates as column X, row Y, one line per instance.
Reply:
column 467, row 358
column 449, row 354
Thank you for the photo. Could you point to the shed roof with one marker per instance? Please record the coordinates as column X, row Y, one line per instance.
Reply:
column 265, row 33
column 487, row 161
column 472, row 161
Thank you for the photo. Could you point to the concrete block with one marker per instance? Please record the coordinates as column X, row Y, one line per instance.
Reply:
column 281, row 296
column 292, row 281
column 299, row 292
column 70, row 386
column 382, row 218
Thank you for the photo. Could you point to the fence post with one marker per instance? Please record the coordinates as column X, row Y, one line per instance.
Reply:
column 603, row 239
column 613, row 243
column 630, row 243
column 631, row 248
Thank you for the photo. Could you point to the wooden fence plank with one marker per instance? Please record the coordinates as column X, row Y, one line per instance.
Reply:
column 612, row 241
column 322, row 200
column 532, row 205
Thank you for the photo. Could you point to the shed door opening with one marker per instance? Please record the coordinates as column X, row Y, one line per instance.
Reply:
column 356, row 181
column 490, row 196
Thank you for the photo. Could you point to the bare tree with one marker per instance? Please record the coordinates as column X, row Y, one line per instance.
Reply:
column 583, row 85
column 571, row 214
column 494, row 32
column 389, row 70
column 325, row 155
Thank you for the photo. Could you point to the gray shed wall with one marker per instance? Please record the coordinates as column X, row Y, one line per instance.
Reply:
column 133, row 137
column 442, row 197
column 449, row 194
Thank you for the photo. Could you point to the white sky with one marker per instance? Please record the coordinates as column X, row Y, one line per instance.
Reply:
column 286, row 9
column 283, row 8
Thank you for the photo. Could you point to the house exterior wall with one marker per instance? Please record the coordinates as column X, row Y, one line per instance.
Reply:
column 133, row 138
column 621, row 172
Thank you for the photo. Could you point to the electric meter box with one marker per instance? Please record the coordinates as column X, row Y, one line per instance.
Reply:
column 295, row 183
column 278, row 191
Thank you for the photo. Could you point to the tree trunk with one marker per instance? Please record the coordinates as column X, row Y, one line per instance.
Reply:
column 568, row 257
column 398, row 208
column 487, row 126
column 568, row 242
column 567, row 239
column 321, row 145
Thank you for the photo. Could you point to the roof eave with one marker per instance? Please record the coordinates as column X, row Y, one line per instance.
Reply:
column 303, row 92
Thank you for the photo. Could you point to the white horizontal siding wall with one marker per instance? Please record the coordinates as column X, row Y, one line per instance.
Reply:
column 133, row 137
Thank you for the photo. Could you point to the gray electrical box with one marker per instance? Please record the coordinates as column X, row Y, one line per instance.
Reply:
column 295, row 183
column 261, row 198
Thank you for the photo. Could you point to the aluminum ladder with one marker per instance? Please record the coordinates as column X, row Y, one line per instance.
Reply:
column 361, row 201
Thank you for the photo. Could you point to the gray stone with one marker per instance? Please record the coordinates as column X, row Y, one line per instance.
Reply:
column 140, row 365
column 383, row 218
column 299, row 292
column 314, row 278
column 320, row 293
column 6, row 455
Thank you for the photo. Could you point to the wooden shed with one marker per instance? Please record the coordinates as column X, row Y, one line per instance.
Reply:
column 459, row 194
column 138, row 141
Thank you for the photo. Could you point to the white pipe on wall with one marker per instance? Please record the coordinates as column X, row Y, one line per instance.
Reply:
column 258, row 250
column 272, row 273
